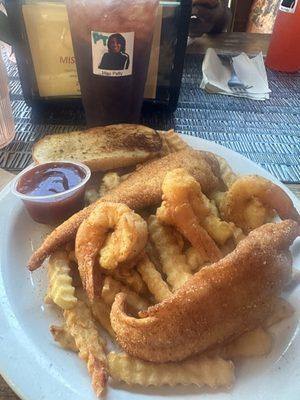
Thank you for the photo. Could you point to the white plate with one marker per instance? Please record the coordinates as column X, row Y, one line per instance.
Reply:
column 36, row 368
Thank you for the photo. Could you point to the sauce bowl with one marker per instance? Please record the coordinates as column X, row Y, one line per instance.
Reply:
column 52, row 208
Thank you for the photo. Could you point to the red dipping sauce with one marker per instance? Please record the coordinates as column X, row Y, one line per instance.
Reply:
column 53, row 191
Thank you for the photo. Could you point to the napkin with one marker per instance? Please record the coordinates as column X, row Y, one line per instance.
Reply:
column 217, row 71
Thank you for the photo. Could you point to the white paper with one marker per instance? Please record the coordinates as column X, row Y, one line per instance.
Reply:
column 250, row 71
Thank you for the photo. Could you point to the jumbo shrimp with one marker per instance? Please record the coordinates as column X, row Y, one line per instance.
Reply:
column 234, row 204
column 93, row 242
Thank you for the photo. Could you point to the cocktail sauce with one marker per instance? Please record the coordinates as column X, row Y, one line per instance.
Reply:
column 50, row 179
column 53, row 191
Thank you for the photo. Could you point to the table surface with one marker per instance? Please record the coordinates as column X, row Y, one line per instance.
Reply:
column 230, row 44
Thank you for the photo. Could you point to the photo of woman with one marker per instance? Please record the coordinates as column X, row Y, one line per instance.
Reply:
column 288, row 3
column 116, row 58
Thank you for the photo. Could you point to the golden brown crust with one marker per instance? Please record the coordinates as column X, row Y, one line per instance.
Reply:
column 101, row 148
column 244, row 189
column 141, row 189
column 218, row 303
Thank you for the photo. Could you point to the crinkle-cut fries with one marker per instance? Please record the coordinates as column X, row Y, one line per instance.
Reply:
column 165, row 264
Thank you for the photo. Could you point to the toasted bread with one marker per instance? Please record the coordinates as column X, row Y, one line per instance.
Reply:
column 101, row 148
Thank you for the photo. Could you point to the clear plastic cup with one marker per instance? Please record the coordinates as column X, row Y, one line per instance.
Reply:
column 54, row 208
column 7, row 125
column 112, row 42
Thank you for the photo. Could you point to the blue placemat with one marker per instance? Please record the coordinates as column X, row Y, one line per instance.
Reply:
column 267, row 132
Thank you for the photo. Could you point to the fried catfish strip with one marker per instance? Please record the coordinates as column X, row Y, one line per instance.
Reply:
column 173, row 260
column 212, row 372
column 175, row 142
column 156, row 285
column 80, row 324
column 141, row 189
column 220, row 302
column 60, row 289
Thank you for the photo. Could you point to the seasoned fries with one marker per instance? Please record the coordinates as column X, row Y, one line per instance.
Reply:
column 173, row 261
column 80, row 324
column 194, row 259
column 153, row 279
column 91, row 195
column 63, row 337
column 212, row 372
column 255, row 343
column 282, row 310
column 219, row 230
column 109, row 181
column 130, row 278
column 112, row 287
column 60, row 289
column 228, row 176
column 101, row 313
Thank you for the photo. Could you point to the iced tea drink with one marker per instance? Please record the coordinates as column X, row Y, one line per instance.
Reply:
column 112, row 42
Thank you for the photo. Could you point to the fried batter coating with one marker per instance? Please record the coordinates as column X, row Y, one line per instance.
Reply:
column 80, row 325
column 189, row 210
column 247, row 188
column 141, row 189
column 220, row 302
column 174, row 141
column 124, row 244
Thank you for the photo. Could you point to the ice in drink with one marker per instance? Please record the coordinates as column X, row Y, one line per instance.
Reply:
column 112, row 42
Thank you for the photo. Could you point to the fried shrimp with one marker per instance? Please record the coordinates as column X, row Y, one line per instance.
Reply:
column 235, row 204
column 128, row 240
column 187, row 208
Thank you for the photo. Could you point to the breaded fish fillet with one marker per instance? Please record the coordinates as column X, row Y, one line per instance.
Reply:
column 220, row 302
column 141, row 189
